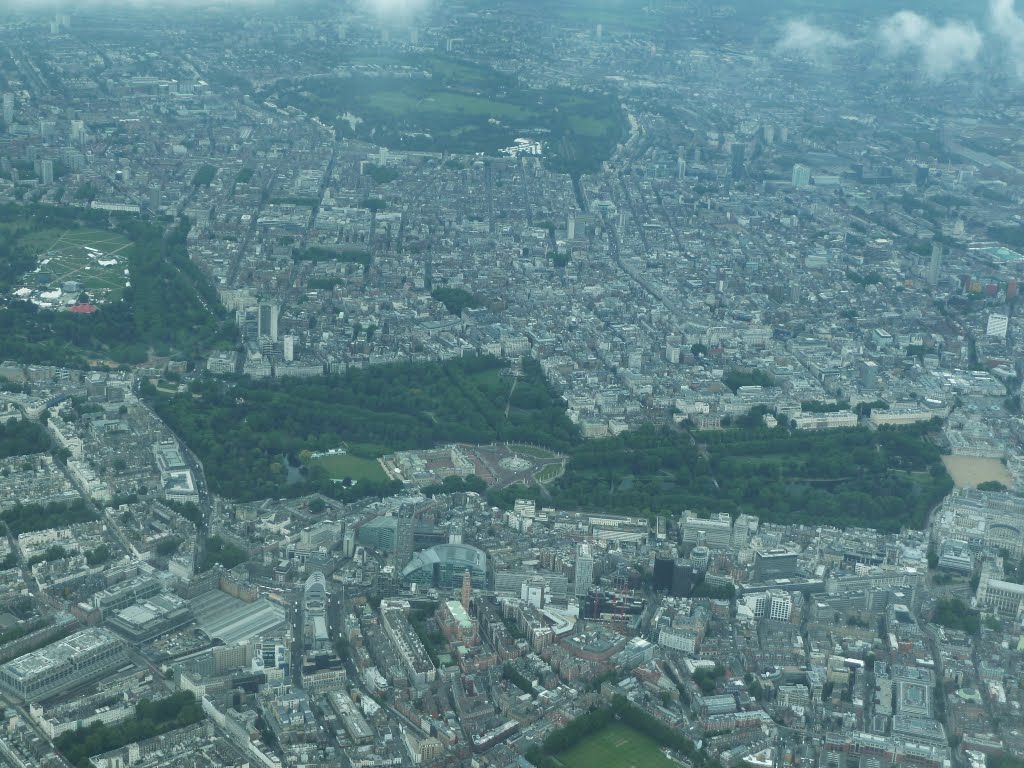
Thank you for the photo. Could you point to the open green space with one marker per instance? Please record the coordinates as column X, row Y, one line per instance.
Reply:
column 439, row 103
column 204, row 176
column 24, row 518
column 533, row 452
column 342, row 466
column 888, row 478
column 218, row 551
column 21, row 437
column 619, row 735
column 548, row 474
column 456, row 299
column 241, row 430
column 95, row 258
column 617, row 746
column 954, row 613
column 151, row 718
column 169, row 307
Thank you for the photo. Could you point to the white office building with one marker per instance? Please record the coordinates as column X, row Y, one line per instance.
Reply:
column 584, row 570
column 801, row 175
column 997, row 325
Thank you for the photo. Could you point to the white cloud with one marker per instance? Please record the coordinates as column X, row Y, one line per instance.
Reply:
column 1008, row 26
column 809, row 41
column 54, row 6
column 401, row 11
column 940, row 49
column 396, row 10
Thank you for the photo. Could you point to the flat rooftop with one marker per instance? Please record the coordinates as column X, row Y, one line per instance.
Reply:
column 459, row 614
column 63, row 651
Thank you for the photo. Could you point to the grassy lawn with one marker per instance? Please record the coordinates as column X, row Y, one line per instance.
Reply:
column 447, row 68
column 476, row 106
column 587, row 126
column 13, row 224
column 345, row 465
column 617, row 746
column 398, row 102
column 533, row 452
column 549, row 474
column 394, row 102
column 76, row 255
column 493, row 384
column 463, row 107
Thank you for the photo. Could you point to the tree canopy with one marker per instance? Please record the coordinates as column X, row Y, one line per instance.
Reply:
column 456, row 299
column 886, row 479
column 22, row 518
column 151, row 718
column 241, row 430
column 169, row 302
column 19, row 437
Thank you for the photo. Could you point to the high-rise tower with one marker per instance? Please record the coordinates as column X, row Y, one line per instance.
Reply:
column 403, row 539
column 467, row 589
column 268, row 314
column 584, row 570
column 935, row 266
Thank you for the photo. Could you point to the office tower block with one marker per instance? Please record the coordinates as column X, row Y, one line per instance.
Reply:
column 404, row 540
column 738, row 153
column 935, row 266
column 998, row 324
column 268, row 314
column 584, row 570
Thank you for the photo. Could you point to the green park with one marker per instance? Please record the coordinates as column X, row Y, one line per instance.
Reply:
column 616, row 746
column 97, row 259
column 619, row 735
column 440, row 103
column 167, row 306
column 887, row 478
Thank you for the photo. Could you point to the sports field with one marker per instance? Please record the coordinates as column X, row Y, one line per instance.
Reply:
column 617, row 746
column 342, row 465
column 95, row 258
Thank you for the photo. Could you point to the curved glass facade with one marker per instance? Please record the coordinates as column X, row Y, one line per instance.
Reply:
column 442, row 566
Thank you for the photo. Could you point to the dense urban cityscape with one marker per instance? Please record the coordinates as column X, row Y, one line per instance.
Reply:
column 581, row 384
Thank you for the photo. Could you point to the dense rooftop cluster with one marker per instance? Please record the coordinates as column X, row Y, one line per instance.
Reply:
column 539, row 385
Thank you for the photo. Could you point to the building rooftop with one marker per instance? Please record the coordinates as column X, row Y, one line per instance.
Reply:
column 63, row 651
column 231, row 620
column 459, row 614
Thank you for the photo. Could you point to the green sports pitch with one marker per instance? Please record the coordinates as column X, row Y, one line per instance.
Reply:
column 617, row 746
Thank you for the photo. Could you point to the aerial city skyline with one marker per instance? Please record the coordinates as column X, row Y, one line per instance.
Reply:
column 581, row 384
